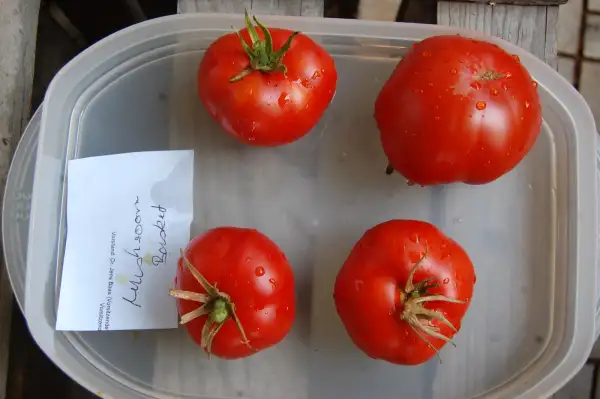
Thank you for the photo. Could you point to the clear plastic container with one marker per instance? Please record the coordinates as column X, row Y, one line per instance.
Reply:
column 16, row 207
column 532, row 234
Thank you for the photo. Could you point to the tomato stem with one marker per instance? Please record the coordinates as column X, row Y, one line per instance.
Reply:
column 491, row 75
column 263, row 57
column 420, row 318
column 216, row 304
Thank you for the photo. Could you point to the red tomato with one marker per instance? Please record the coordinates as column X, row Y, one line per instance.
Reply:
column 267, row 87
column 457, row 110
column 403, row 291
column 235, row 291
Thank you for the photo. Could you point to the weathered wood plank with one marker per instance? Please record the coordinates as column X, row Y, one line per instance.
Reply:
column 384, row 10
column 313, row 8
column 18, row 27
column 532, row 28
column 517, row 2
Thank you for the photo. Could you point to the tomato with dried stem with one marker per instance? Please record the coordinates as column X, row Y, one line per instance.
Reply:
column 403, row 291
column 266, row 86
column 235, row 292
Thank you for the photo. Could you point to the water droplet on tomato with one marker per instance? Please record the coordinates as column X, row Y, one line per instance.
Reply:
column 430, row 84
column 418, row 91
column 284, row 99
column 414, row 237
column 358, row 285
column 480, row 105
column 316, row 75
column 259, row 271
column 439, row 96
column 504, row 86
column 474, row 279
column 273, row 282
column 534, row 84
column 415, row 257
column 248, row 259
column 476, row 85
column 436, row 107
column 437, row 118
column 453, row 71
column 494, row 91
column 516, row 57
column 446, row 280
column 526, row 104
column 306, row 83
column 426, row 53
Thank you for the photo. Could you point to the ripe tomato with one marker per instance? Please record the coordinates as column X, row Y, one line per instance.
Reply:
column 267, row 87
column 235, row 291
column 403, row 291
column 457, row 110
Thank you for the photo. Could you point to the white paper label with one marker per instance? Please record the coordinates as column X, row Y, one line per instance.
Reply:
column 128, row 216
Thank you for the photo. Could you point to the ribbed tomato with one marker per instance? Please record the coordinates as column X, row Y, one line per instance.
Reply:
column 266, row 86
column 235, row 291
column 457, row 110
column 403, row 291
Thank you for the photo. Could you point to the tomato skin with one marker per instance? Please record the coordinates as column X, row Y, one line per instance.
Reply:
column 368, row 287
column 445, row 117
column 267, row 109
column 255, row 273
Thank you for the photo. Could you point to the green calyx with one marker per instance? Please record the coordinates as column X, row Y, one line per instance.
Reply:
column 263, row 58
column 220, row 312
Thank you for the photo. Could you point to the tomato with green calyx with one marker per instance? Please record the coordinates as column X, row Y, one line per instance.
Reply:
column 235, row 292
column 403, row 291
column 457, row 110
column 266, row 86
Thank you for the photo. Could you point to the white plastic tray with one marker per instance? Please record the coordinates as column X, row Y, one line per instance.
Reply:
column 532, row 234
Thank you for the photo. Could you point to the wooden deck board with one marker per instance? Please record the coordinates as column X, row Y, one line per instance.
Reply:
column 18, row 27
column 313, row 8
column 531, row 27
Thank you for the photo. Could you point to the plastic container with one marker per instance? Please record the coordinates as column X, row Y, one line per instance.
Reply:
column 531, row 234
column 16, row 207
